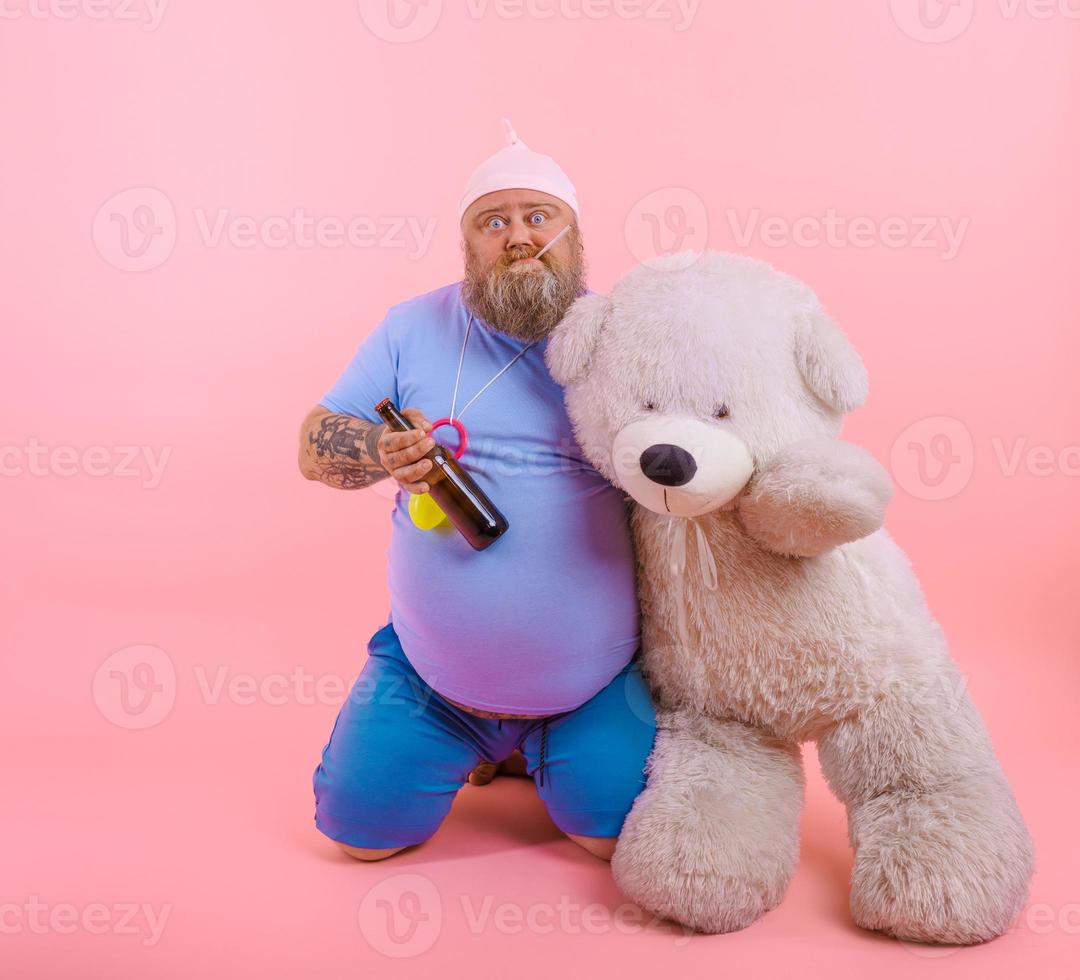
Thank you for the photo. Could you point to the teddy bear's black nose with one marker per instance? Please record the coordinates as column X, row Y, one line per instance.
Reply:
column 670, row 466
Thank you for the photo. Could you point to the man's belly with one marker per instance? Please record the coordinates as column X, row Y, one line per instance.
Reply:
column 537, row 623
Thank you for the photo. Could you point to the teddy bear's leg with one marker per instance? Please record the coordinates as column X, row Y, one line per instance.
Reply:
column 941, row 851
column 713, row 839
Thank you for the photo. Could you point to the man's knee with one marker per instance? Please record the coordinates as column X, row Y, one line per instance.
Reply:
column 368, row 853
column 602, row 847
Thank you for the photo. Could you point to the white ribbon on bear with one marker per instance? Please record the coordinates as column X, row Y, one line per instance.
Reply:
column 706, row 562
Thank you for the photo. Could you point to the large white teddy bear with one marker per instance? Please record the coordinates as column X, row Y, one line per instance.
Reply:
column 775, row 611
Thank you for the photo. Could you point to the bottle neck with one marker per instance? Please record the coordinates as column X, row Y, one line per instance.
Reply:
column 393, row 417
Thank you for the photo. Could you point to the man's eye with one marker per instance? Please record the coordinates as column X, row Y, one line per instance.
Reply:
column 496, row 224
column 542, row 218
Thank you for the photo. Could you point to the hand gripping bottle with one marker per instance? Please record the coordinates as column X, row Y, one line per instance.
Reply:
column 468, row 507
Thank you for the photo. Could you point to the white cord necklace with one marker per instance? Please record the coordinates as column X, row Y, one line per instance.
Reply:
column 457, row 379
column 425, row 513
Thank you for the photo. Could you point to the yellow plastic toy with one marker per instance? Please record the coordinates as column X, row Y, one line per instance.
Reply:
column 425, row 513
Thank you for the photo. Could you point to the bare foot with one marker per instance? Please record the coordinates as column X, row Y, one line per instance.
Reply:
column 485, row 772
column 513, row 765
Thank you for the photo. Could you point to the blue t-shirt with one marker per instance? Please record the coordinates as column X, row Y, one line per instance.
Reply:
column 543, row 618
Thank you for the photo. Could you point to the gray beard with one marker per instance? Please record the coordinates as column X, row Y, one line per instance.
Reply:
column 521, row 301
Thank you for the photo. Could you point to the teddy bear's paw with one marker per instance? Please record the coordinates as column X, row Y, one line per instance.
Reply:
column 708, row 875
column 813, row 495
column 948, row 867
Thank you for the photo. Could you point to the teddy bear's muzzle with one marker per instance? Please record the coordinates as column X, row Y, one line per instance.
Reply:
column 680, row 466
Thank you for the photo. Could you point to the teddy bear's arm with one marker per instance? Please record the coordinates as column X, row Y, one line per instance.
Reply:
column 813, row 495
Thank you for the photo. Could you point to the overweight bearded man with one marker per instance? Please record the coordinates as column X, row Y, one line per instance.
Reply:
column 531, row 644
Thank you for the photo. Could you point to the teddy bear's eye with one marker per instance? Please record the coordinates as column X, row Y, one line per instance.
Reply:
column 650, row 406
column 721, row 412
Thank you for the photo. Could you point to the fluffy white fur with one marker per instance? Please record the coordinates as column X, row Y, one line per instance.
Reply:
column 816, row 629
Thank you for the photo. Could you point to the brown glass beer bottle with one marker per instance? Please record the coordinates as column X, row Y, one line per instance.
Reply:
column 468, row 507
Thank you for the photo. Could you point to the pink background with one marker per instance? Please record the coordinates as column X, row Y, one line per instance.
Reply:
column 237, row 570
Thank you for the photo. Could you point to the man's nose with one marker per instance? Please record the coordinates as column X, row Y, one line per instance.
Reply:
column 521, row 233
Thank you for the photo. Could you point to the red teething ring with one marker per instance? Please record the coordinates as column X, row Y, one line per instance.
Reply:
column 463, row 438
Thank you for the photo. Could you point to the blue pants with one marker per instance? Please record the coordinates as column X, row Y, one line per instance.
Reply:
column 398, row 753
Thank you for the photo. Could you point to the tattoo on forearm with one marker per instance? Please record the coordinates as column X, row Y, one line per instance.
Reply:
column 347, row 450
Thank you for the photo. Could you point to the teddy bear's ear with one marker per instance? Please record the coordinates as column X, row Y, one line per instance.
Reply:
column 830, row 366
column 572, row 342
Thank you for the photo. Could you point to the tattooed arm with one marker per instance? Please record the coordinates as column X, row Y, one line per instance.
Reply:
column 350, row 453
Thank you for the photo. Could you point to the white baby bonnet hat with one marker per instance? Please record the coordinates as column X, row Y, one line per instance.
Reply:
column 515, row 165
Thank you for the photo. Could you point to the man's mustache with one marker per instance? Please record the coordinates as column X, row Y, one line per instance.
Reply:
column 508, row 259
